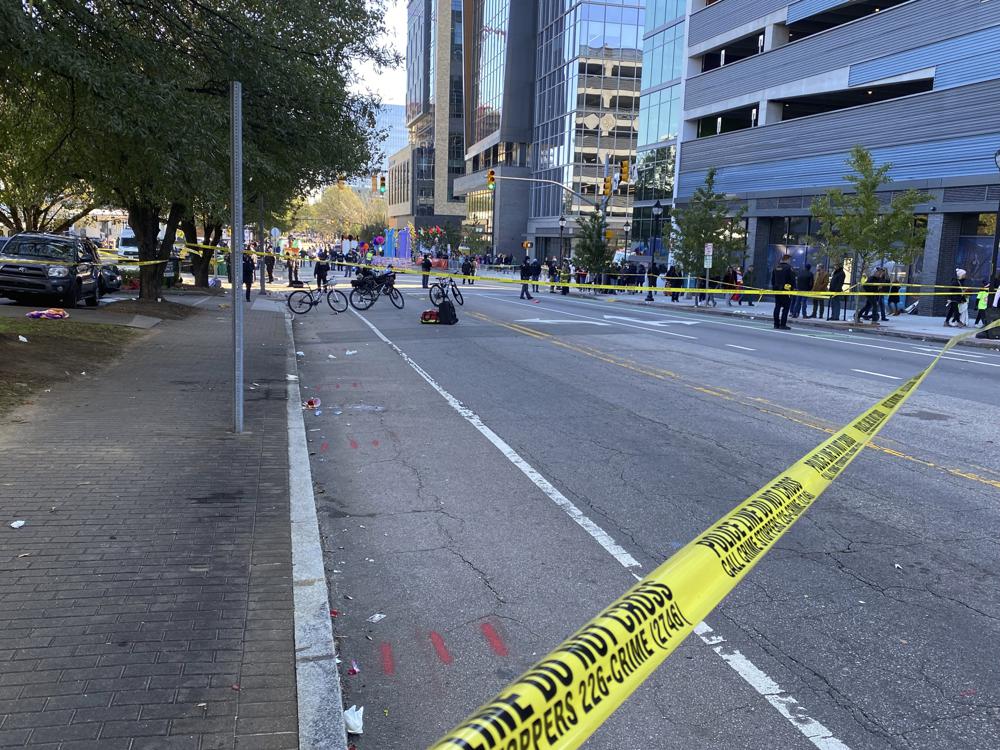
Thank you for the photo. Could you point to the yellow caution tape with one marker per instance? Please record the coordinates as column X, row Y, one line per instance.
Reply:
column 747, row 291
column 565, row 697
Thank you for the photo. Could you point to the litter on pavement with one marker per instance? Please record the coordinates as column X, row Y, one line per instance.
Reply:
column 378, row 616
column 354, row 719
column 22, row 339
column 292, row 378
column 354, row 669
column 351, row 352
column 17, row 524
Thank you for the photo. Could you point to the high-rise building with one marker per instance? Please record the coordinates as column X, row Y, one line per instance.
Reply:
column 499, row 79
column 390, row 120
column 779, row 91
column 588, row 68
column 552, row 94
column 433, row 157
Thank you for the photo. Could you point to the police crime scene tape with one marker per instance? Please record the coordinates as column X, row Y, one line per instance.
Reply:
column 565, row 697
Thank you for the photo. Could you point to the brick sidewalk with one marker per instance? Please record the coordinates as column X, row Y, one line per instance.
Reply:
column 147, row 602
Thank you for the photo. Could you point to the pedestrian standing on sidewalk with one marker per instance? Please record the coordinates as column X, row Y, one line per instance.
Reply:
column 269, row 263
column 425, row 268
column 729, row 282
column 526, row 271
column 536, row 274
column 321, row 269
column 249, row 267
column 782, row 281
column 982, row 302
column 674, row 282
column 957, row 301
column 836, row 286
column 821, row 284
column 803, row 283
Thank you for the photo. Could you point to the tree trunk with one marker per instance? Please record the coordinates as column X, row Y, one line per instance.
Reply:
column 144, row 218
column 201, row 259
column 174, row 217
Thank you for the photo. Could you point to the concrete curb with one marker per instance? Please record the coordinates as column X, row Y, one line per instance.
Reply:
column 821, row 325
column 320, row 703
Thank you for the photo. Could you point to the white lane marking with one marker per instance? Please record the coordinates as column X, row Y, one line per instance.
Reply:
column 588, row 317
column 784, row 703
column 600, row 535
column 316, row 675
column 653, row 322
column 957, row 354
column 876, row 374
column 744, row 348
column 574, row 322
column 826, row 336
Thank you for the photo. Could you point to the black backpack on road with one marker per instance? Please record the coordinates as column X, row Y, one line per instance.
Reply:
column 446, row 313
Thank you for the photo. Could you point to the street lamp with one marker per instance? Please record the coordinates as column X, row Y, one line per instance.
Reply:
column 562, row 226
column 996, row 234
column 657, row 213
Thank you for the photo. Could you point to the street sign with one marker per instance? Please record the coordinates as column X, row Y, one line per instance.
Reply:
column 275, row 233
column 709, row 250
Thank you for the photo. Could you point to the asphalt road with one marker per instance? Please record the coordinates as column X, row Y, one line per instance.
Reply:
column 875, row 623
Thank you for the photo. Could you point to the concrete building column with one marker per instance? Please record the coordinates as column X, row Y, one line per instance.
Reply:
column 775, row 35
column 758, row 230
column 940, row 249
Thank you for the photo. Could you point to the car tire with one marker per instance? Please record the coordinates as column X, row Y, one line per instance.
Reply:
column 71, row 297
column 95, row 298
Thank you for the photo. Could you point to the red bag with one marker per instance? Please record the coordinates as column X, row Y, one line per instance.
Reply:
column 429, row 316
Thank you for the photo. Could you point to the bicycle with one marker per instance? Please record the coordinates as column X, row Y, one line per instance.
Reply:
column 444, row 287
column 304, row 300
column 369, row 288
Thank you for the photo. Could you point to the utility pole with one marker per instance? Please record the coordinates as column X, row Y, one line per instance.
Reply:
column 236, row 256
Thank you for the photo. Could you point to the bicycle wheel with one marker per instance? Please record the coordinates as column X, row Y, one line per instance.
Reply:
column 396, row 298
column 300, row 302
column 360, row 300
column 456, row 294
column 336, row 300
column 438, row 295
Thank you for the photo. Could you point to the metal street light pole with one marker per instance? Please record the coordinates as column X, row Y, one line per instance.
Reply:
column 236, row 256
column 657, row 213
column 562, row 226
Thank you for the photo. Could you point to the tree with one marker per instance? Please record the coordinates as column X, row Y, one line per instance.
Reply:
column 860, row 225
column 339, row 211
column 592, row 250
column 149, row 87
column 705, row 219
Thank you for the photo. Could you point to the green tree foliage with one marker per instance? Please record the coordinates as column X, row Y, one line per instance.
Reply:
column 592, row 250
column 148, row 110
column 861, row 225
column 338, row 212
column 705, row 219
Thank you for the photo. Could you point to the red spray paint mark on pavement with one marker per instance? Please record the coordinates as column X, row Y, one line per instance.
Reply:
column 337, row 385
column 325, row 447
column 374, row 443
column 442, row 650
column 354, row 385
column 388, row 663
column 494, row 639
column 354, row 443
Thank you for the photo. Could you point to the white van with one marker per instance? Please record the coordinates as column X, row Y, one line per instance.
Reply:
column 127, row 246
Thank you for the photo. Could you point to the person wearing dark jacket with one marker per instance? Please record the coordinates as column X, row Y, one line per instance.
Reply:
column 527, row 269
column 837, row 286
column 248, row 272
column 536, row 274
column 321, row 270
column 425, row 267
column 782, row 280
column 674, row 282
column 803, row 283
column 466, row 269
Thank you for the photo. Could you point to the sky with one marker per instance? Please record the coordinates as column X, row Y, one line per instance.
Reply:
column 389, row 84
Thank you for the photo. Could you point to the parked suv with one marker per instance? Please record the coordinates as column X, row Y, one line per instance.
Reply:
column 34, row 265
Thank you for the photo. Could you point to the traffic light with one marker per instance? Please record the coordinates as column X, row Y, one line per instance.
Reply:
column 623, row 170
column 491, row 180
column 381, row 184
column 374, row 182
column 607, row 184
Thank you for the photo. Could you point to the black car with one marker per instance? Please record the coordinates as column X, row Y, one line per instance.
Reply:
column 36, row 265
column 110, row 279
